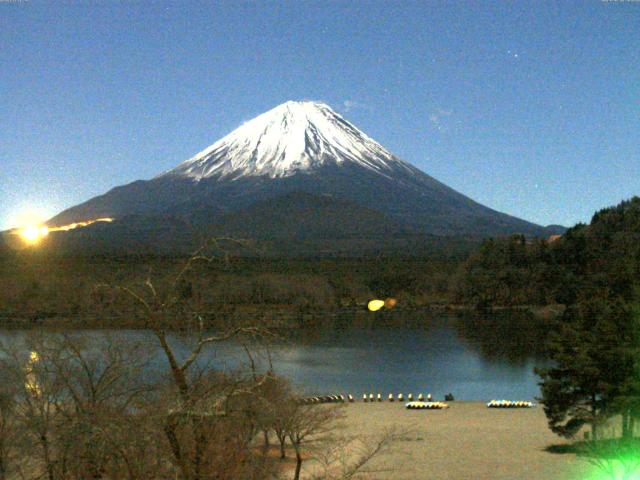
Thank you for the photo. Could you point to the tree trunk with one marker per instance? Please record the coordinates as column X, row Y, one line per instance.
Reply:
column 283, row 453
column 93, row 464
column 44, row 442
column 266, row 437
column 176, row 450
column 199, row 448
column 594, row 428
column 296, row 476
column 625, row 424
column 179, row 376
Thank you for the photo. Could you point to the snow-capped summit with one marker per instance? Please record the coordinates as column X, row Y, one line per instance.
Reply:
column 290, row 138
column 298, row 171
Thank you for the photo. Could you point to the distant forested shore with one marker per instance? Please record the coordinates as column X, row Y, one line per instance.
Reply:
column 603, row 256
column 41, row 290
column 542, row 276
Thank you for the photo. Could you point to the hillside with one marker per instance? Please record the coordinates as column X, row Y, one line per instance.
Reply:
column 298, row 170
column 605, row 254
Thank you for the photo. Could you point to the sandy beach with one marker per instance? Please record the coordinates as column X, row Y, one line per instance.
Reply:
column 466, row 441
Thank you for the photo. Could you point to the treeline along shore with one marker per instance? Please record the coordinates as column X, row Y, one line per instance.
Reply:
column 48, row 290
column 541, row 275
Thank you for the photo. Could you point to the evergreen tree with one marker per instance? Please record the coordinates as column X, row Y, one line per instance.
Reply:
column 596, row 353
column 571, row 391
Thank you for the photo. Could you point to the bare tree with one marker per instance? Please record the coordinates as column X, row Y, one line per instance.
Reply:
column 346, row 458
column 8, row 428
column 308, row 426
column 103, row 378
column 199, row 407
column 37, row 394
column 74, row 404
column 282, row 405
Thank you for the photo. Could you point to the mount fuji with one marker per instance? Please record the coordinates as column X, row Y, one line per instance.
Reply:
column 297, row 171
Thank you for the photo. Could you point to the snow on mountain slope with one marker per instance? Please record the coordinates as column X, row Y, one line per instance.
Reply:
column 294, row 137
column 296, row 152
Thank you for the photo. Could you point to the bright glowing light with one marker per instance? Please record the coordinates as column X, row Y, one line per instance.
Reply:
column 32, row 234
column 616, row 468
column 31, row 383
column 71, row 226
column 390, row 303
column 375, row 305
column 613, row 458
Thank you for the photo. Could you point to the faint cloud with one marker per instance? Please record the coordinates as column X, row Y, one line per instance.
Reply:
column 349, row 105
column 440, row 119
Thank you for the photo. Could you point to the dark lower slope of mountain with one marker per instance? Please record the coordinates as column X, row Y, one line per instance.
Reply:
column 303, row 216
column 142, row 197
column 258, row 175
column 129, row 235
column 294, row 224
column 414, row 201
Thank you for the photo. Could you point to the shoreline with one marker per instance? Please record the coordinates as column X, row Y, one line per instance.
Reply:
column 270, row 316
column 465, row 441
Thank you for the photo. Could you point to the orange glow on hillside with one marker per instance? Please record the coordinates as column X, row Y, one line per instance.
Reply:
column 34, row 234
column 71, row 226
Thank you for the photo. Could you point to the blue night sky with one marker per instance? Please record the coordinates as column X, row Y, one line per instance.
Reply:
column 529, row 108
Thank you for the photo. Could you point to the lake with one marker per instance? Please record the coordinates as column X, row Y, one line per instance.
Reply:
column 472, row 357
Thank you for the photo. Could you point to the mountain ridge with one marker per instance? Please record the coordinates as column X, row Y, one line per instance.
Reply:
column 303, row 147
column 293, row 137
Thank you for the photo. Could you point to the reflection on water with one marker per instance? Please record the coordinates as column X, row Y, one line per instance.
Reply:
column 515, row 338
column 475, row 358
column 472, row 357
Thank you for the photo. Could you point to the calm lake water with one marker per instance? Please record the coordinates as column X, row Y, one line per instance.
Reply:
column 475, row 358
